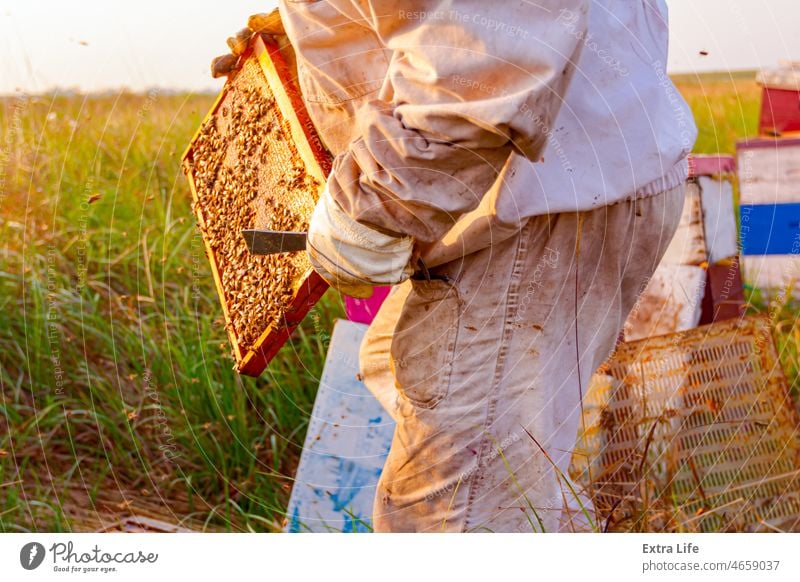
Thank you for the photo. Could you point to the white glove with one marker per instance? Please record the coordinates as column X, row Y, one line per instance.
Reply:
column 352, row 257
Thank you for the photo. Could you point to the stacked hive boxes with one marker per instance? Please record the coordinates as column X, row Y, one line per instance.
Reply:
column 769, row 208
column 693, row 428
column 769, row 178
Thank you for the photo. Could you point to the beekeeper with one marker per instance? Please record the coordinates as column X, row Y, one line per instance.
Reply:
column 515, row 170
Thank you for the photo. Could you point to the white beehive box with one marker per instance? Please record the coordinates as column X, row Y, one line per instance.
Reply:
column 670, row 302
column 346, row 445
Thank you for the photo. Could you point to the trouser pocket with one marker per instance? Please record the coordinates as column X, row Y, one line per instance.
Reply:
column 424, row 341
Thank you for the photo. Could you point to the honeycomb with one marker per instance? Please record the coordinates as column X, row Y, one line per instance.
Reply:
column 247, row 171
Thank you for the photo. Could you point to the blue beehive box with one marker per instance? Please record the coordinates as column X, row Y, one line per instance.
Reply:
column 769, row 213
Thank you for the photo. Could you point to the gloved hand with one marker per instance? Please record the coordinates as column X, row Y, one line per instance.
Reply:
column 352, row 257
column 269, row 24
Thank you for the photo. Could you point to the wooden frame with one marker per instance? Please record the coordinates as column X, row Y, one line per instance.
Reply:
column 317, row 162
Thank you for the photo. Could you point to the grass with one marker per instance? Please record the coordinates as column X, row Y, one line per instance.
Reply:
column 116, row 383
column 726, row 107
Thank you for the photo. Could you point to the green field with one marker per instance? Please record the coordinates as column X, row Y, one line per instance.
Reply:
column 726, row 107
column 116, row 383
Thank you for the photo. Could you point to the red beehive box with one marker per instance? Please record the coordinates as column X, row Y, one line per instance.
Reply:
column 780, row 100
column 257, row 162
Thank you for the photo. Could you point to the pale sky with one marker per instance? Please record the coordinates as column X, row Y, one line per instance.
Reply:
column 96, row 45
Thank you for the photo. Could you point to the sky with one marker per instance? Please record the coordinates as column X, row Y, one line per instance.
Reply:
column 97, row 45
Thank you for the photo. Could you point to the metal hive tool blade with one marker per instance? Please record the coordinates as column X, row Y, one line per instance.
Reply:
column 270, row 242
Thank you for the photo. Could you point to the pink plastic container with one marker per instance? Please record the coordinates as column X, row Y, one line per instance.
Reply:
column 364, row 310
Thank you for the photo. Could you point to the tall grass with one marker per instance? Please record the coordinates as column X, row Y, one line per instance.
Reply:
column 726, row 108
column 115, row 373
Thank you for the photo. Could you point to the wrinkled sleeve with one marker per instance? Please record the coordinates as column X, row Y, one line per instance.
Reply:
column 469, row 83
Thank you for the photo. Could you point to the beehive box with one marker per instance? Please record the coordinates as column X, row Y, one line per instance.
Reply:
column 670, row 302
column 688, row 245
column 348, row 439
column 256, row 162
column 769, row 214
column 780, row 98
column 693, row 431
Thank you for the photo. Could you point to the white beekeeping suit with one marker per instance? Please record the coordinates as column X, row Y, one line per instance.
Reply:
column 533, row 153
